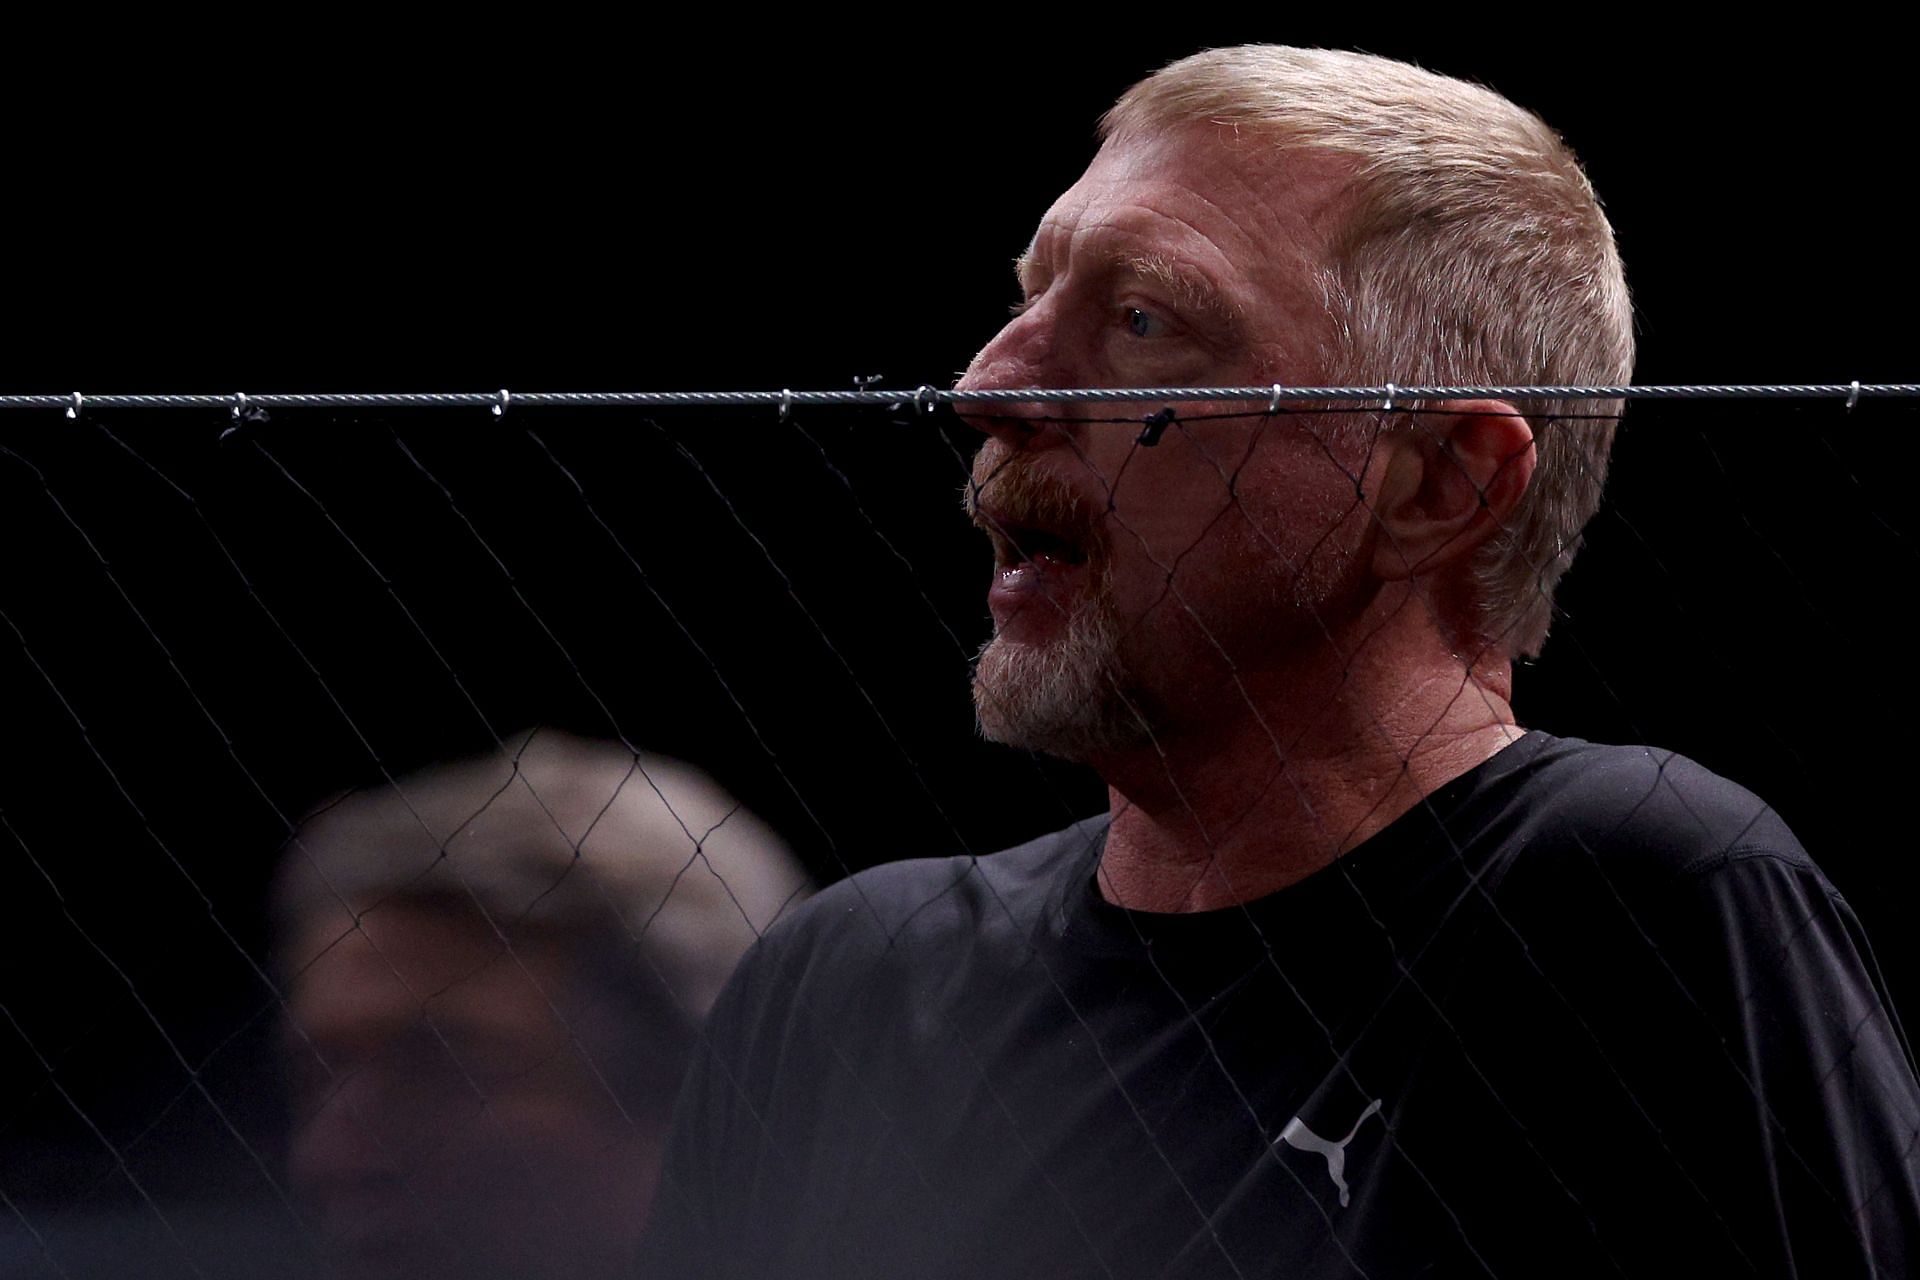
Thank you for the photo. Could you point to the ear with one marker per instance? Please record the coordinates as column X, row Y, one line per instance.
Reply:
column 1450, row 481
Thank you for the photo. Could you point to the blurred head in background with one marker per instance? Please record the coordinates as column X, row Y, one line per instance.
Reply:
column 495, row 972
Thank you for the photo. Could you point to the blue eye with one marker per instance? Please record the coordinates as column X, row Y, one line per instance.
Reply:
column 1142, row 324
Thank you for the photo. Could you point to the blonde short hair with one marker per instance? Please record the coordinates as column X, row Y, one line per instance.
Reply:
column 642, row 858
column 1473, row 251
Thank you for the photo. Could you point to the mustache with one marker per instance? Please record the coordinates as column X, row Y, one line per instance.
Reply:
column 1010, row 489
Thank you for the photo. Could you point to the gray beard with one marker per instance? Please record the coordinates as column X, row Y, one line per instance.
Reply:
column 1072, row 699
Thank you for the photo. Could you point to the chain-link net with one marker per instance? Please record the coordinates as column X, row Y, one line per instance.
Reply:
column 392, row 793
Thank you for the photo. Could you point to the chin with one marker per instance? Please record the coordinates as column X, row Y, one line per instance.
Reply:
column 1068, row 699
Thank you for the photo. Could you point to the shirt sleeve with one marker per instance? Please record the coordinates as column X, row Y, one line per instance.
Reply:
column 1779, row 964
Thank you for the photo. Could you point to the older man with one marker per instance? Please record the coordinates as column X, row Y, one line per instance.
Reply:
column 1355, row 977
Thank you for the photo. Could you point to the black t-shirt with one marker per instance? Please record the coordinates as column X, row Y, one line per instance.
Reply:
column 1584, row 1011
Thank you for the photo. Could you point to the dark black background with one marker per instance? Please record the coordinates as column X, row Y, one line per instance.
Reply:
column 200, row 638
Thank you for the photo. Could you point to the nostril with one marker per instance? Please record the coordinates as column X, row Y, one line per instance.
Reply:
column 1008, row 420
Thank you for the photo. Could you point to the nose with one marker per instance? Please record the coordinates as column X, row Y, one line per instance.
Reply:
column 1022, row 356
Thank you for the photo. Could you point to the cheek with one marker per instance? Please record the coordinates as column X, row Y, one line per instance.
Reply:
column 1172, row 502
column 1222, row 521
column 1299, row 487
column 1201, row 568
column 1237, row 557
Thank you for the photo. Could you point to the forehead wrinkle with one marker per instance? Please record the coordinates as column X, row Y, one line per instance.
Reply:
column 1272, row 256
column 1090, row 248
column 1118, row 249
column 1189, row 287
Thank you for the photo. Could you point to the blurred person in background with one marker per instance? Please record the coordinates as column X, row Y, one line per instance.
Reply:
column 495, row 972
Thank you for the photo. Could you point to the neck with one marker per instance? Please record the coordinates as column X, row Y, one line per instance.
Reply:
column 1299, row 766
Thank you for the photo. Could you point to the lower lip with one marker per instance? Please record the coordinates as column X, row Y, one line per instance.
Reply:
column 1035, row 593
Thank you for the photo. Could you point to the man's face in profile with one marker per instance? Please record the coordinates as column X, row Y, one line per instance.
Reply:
column 456, row 1127
column 1188, row 258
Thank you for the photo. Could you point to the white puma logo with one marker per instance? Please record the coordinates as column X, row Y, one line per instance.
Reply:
column 1301, row 1138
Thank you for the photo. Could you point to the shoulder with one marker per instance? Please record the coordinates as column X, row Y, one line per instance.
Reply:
column 912, row 913
column 1603, row 847
column 921, row 897
column 1646, row 813
column 1626, row 870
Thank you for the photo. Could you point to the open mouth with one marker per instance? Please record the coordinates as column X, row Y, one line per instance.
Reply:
column 1016, row 543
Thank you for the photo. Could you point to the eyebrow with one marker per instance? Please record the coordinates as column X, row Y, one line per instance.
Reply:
column 1191, row 290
